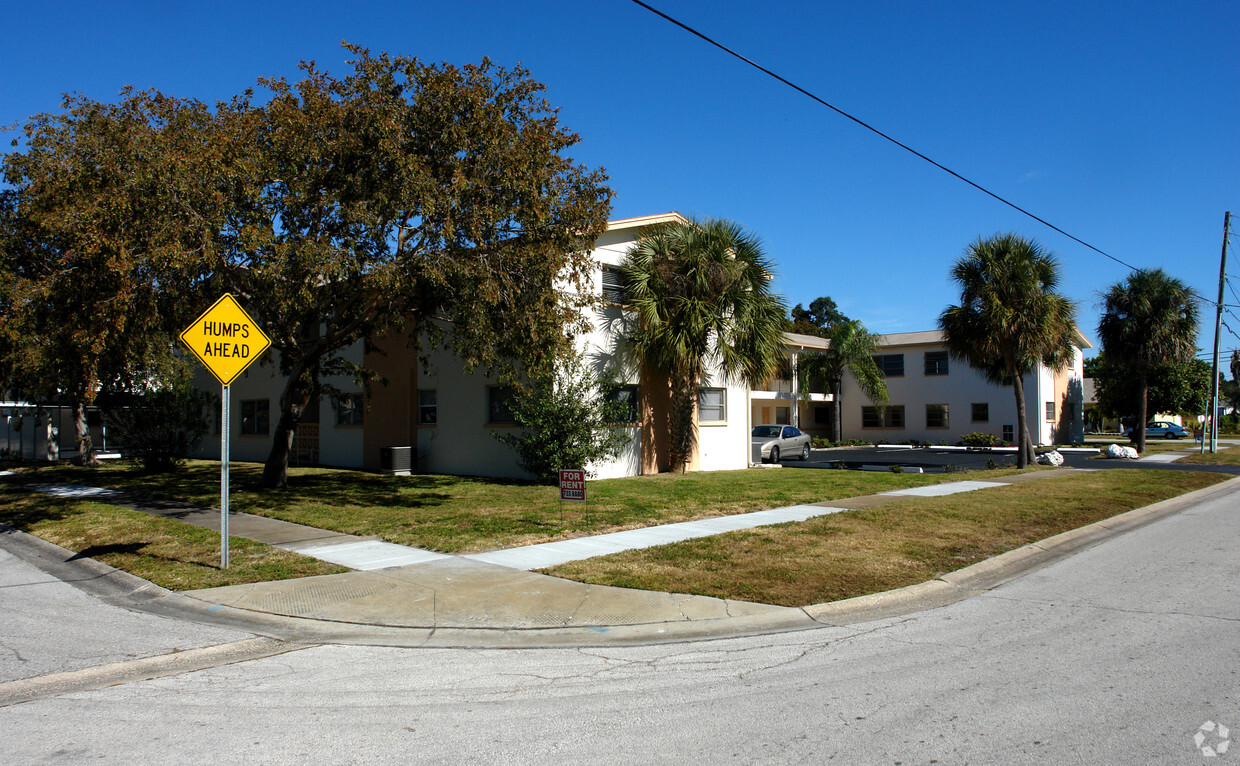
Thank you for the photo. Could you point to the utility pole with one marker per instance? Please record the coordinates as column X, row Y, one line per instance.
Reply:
column 1218, row 327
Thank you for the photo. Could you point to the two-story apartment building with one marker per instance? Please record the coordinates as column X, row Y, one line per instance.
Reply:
column 447, row 417
column 933, row 398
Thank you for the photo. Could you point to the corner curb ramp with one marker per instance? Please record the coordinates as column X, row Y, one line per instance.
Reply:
column 993, row 572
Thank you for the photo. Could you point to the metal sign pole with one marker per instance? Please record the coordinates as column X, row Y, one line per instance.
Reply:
column 224, row 416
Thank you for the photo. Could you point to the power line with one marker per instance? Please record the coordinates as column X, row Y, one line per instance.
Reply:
column 878, row 132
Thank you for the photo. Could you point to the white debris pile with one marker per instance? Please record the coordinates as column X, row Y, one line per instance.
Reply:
column 1050, row 458
column 1115, row 450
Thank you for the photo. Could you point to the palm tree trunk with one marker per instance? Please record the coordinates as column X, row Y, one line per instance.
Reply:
column 1143, row 390
column 837, row 412
column 1024, row 445
column 684, row 397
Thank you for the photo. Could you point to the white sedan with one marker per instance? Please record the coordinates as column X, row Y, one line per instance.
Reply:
column 771, row 441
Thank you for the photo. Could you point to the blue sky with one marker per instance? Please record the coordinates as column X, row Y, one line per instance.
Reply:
column 1117, row 122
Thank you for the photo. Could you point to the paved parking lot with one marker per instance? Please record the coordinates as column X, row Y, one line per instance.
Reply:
column 934, row 459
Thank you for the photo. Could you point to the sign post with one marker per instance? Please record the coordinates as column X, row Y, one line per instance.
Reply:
column 226, row 340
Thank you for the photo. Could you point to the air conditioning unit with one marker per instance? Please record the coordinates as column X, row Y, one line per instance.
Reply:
column 396, row 460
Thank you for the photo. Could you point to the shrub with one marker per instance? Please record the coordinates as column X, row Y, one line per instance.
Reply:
column 570, row 421
column 979, row 439
column 896, row 469
column 157, row 430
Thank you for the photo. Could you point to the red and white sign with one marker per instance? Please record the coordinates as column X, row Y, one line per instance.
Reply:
column 572, row 485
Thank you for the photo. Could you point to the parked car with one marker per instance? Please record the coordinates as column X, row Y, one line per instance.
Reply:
column 1158, row 429
column 775, row 440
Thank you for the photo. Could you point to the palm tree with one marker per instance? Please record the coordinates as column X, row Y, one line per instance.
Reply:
column 699, row 292
column 851, row 349
column 1010, row 318
column 1148, row 319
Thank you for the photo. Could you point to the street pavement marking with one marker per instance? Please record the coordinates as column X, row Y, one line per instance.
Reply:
column 950, row 488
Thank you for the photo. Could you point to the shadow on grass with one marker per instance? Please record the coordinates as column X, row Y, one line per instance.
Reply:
column 198, row 486
column 94, row 551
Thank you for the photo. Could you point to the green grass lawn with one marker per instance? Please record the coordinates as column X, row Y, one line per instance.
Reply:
column 1226, row 456
column 169, row 553
column 889, row 546
column 463, row 514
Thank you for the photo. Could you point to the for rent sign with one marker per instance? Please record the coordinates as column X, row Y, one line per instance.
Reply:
column 572, row 485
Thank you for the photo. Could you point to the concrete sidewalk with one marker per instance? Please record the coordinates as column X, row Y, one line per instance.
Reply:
column 406, row 596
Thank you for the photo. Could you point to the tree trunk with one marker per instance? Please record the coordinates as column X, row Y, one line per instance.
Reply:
column 87, row 455
column 1143, row 404
column 1023, row 443
column 297, row 392
column 684, row 397
column 837, row 412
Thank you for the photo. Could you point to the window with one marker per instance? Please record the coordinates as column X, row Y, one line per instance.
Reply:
column 627, row 397
column 892, row 365
column 981, row 412
column 499, row 405
column 255, row 417
column 350, row 410
column 712, row 406
column 936, row 362
column 613, row 286
column 936, row 416
column 1009, row 433
column 1050, row 412
column 783, row 416
column 891, row 416
column 822, row 415
column 428, row 407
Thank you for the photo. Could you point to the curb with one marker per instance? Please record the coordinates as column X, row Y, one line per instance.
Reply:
column 993, row 572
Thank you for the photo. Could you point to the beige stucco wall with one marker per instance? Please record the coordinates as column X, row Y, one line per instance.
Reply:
column 959, row 389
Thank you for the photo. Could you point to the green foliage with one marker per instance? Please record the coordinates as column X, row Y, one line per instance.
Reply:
column 1010, row 318
column 700, row 293
column 979, row 439
column 570, row 421
column 158, row 429
column 100, row 228
column 1149, row 319
column 851, row 350
column 430, row 202
column 896, row 469
column 819, row 319
column 1173, row 387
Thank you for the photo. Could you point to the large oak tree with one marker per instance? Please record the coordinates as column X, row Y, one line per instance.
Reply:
column 429, row 200
column 102, row 231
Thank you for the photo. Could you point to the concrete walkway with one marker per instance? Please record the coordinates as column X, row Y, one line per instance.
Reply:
column 405, row 596
column 368, row 554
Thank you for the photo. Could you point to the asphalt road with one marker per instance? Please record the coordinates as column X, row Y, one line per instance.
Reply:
column 1119, row 654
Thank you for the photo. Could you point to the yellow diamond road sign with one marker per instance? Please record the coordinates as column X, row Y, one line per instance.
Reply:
column 225, row 339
